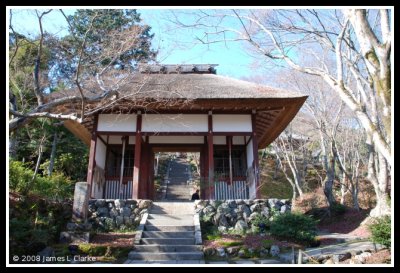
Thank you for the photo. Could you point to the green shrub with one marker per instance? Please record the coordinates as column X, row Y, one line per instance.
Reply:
column 267, row 243
column 261, row 223
column 92, row 250
column 338, row 209
column 230, row 244
column 295, row 227
column 381, row 231
column 55, row 187
column 19, row 176
column 35, row 223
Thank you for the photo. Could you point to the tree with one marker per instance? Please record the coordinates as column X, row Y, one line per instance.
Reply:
column 357, row 41
column 292, row 149
column 98, row 50
column 95, row 49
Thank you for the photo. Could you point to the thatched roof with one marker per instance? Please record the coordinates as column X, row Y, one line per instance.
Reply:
column 198, row 91
column 189, row 86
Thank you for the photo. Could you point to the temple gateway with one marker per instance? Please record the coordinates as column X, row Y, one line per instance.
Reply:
column 183, row 108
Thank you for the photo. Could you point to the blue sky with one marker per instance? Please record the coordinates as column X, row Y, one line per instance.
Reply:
column 175, row 46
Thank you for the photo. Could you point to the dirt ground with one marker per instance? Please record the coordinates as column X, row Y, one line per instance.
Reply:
column 114, row 239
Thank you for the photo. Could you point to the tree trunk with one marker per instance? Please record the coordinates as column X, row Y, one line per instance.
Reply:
column 53, row 154
column 382, row 204
column 328, row 183
column 343, row 189
column 276, row 169
column 12, row 146
column 40, row 152
column 354, row 194
column 12, row 140
column 378, row 164
column 294, row 196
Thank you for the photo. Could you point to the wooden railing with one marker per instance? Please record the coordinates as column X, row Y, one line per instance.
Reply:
column 237, row 190
column 113, row 189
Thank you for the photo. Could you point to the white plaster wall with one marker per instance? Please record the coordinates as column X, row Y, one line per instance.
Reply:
column 177, row 139
column 250, row 158
column 117, row 122
column 238, row 140
column 231, row 123
column 219, row 140
column 174, row 123
column 249, row 152
column 100, row 154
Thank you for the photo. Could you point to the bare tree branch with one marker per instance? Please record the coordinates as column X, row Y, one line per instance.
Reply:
column 37, row 90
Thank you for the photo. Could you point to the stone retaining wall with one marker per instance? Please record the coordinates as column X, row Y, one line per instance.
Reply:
column 237, row 215
column 110, row 214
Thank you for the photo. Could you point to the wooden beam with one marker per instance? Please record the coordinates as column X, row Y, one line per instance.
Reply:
column 255, row 155
column 112, row 133
column 92, row 160
column 143, row 174
column 79, row 131
column 210, row 144
column 138, row 149
column 229, row 143
column 102, row 140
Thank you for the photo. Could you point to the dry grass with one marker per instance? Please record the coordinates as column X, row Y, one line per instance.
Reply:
column 381, row 257
column 114, row 239
column 248, row 241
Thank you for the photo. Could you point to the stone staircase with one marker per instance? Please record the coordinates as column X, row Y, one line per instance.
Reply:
column 177, row 188
column 170, row 236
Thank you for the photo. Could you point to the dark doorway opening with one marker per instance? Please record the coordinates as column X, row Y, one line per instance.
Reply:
column 176, row 172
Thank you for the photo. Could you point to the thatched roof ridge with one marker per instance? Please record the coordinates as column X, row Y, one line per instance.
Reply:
column 190, row 86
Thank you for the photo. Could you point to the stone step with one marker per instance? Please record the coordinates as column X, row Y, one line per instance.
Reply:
column 174, row 205
column 171, row 222
column 169, row 234
column 149, row 227
column 169, row 241
column 168, row 248
column 177, row 190
column 183, row 193
column 173, row 191
column 170, row 217
column 171, row 211
column 133, row 255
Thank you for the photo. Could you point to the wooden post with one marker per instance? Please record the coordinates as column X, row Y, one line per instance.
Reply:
column 210, row 143
column 144, row 188
column 138, row 148
column 106, row 168
column 92, row 157
column 151, row 174
column 229, row 143
column 293, row 256
column 203, row 169
column 300, row 257
column 255, row 154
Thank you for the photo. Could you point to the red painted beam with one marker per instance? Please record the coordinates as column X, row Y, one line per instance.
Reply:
column 210, row 153
column 255, row 155
column 138, row 149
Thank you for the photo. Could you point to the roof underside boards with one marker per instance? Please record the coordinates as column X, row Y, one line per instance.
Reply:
column 189, row 93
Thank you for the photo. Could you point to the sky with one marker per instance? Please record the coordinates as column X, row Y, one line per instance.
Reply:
column 174, row 46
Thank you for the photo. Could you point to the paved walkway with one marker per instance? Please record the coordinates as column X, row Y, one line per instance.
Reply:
column 178, row 175
column 253, row 261
column 343, row 248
